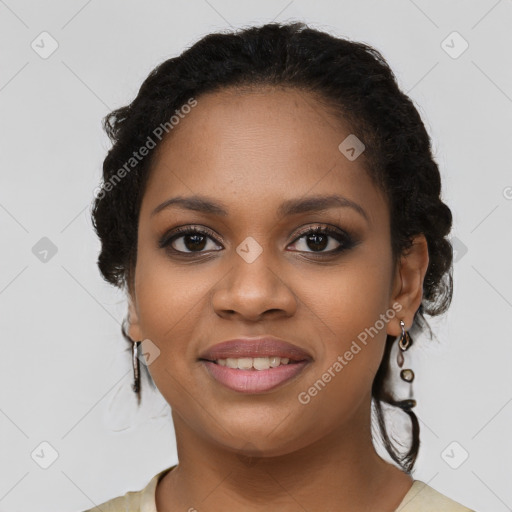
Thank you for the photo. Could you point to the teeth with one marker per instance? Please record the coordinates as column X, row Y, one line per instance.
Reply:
column 257, row 363
column 244, row 363
column 261, row 363
column 274, row 361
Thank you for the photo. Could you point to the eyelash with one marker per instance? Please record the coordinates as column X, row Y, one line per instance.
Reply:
column 341, row 237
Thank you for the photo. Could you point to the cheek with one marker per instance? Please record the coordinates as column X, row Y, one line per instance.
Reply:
column 347, row 304
column 170, row 301
column 169, row 304
column 351, row 296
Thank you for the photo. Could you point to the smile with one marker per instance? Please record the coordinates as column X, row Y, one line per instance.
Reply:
column 256, row 363
column 255, row 376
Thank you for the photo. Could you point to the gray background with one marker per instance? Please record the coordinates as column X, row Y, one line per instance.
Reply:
column 65, row 373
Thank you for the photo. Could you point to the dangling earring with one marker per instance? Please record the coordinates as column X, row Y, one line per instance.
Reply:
column 136, row 369
column 404, row 343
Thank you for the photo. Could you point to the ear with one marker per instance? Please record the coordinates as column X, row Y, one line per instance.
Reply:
column 408, row 284
column 134, row 329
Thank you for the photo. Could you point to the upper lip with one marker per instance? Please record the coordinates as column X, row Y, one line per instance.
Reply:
column 264, row 346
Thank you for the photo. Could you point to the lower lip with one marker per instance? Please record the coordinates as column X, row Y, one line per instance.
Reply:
column 253, row 381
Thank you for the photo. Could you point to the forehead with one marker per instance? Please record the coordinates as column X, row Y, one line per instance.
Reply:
column 257, row 146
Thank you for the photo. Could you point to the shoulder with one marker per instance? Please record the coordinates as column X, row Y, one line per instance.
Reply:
column 133, row 501
column 129, row 501
column 423, row 498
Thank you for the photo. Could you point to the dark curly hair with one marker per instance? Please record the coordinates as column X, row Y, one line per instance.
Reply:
column 351, row 79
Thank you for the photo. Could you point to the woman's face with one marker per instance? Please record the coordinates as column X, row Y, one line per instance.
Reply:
column 257, row 272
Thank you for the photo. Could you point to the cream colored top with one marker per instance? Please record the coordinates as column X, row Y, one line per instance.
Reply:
column 419, row 498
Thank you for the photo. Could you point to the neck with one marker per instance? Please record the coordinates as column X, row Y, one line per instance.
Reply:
column 340, row 471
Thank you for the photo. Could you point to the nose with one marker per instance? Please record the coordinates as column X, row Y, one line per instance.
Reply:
column 252, row 291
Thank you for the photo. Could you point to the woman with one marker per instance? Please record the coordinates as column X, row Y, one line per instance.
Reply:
column 272, row 208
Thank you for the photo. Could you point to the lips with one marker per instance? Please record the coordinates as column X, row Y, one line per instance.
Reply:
column 247, row 379
column 267, row 346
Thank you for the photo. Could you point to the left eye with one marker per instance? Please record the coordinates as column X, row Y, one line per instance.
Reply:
column 318, row 238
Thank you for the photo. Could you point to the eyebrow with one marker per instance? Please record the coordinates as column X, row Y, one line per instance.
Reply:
column 204, row 204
